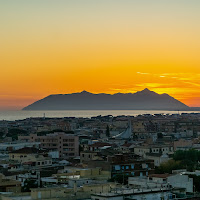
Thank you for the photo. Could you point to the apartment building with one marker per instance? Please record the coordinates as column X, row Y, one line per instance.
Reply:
column 66, row 144
column 156, row 149
column 30, row 156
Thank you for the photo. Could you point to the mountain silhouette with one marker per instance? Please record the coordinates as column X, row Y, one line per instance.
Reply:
column 141, row 100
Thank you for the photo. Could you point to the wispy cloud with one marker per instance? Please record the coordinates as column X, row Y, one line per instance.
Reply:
column 142, row 73
column 182, row 86
column 195, row 84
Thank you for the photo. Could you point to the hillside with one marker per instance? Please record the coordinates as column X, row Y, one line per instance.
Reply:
column 142, row 100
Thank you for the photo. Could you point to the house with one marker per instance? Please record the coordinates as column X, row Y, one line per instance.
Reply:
column 86, row 156
column 8, row 185
column 30, row 156
column 155, row 148
column 123, row 164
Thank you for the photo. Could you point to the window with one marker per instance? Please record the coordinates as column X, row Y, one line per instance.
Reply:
column 132, row 166
column 117, row 167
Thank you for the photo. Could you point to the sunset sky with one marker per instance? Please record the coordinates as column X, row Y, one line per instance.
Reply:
column 57, row 47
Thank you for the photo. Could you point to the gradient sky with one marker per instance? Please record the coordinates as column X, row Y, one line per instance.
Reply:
column 50, row 47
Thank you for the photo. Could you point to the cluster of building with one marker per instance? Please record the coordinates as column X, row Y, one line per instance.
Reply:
column 98, row 158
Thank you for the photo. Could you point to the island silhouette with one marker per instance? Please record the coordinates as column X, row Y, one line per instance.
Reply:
column 141, row 100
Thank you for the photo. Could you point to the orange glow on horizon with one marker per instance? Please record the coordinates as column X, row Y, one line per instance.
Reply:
column 99, row 46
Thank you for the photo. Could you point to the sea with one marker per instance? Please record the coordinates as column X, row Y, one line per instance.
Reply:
column 22, row 114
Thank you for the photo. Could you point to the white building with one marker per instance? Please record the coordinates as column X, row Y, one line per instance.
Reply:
column 156, row 149
column 153, row 181
column 181, row 181
column 176, row 181
column 135, row 194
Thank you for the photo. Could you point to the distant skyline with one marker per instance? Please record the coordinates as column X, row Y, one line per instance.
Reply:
column 59, row 47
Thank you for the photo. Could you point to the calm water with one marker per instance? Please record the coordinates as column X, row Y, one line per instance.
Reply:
column 15, row 115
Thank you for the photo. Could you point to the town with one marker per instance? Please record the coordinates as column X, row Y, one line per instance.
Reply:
column 101, row 158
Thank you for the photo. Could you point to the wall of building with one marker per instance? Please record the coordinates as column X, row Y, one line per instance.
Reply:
column 181, row 181
column 66, row 144
column 40, row 160
column 146, row 196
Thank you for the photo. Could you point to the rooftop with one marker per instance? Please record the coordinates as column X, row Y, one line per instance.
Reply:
column 28, row 150
column 159, row 175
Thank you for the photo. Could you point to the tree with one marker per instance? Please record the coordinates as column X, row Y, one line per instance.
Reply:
column 1, row 135
column 196, row 182
column 107, row 131
column 181, row 160
column 179, row 155
column 28, row 184
column 168, row 166
column 189, row 159
column 14, row 133
column 120, row 178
